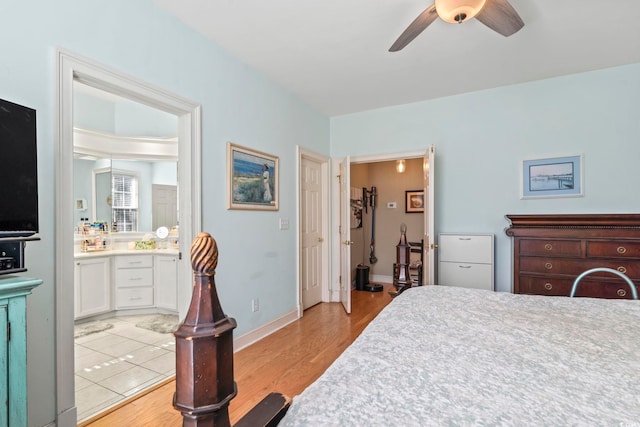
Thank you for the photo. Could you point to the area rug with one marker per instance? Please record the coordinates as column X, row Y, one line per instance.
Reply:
column 161, row 323
column 91, row 328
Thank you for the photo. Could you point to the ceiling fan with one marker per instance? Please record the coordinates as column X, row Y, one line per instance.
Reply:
column 498, row 15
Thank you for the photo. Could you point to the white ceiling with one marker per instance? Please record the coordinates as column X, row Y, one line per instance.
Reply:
column 333, row 54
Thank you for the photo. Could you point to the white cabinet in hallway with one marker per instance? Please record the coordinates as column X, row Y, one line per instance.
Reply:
column 134, row 281
column 166, row 278
column 466, row 260
column 93, row 286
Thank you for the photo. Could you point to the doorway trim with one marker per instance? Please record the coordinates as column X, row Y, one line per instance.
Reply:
column 335, row 199
column 302, row 152
column 69, row 68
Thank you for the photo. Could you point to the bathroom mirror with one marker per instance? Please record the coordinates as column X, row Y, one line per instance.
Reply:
column 135, row 195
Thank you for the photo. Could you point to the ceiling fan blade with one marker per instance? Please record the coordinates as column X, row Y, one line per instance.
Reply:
column 501, row 17
column 415, row 28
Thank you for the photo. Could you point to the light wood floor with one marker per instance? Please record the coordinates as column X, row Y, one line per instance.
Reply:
column 286, row 361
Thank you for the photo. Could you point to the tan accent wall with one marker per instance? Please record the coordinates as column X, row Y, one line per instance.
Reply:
column 359, row 177
column 391, row 187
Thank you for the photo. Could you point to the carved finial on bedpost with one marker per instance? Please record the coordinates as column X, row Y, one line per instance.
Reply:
column 204, row 347
column 204, row 255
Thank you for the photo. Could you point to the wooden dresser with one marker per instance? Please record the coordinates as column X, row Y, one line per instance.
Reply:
column 550, row 251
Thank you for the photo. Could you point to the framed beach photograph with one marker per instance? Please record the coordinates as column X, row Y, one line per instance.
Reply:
column 252, row 179
column 552, row 177
column 414, row 201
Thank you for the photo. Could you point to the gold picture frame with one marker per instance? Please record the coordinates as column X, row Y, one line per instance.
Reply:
column 252, row 179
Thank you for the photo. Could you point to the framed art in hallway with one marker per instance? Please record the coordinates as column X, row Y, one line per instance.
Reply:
column 252, row 179
column 414, row 201
column 552, row 177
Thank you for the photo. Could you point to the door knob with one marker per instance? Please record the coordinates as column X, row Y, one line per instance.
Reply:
column 320, row 239
column 348, row 243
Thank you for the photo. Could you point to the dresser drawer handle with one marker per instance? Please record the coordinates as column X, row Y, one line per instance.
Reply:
column 622, row 293
column 548, row 286
column 621, row 249
column 548, row 266
column 622, row 269
column 464, row 266
column 548, row 246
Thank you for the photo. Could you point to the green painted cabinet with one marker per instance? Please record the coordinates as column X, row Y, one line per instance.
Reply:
column 13, row 349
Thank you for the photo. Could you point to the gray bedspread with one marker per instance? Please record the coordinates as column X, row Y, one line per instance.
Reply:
column 451, row 356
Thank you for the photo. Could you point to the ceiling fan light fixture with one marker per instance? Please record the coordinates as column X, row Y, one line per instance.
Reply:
column 458, row 11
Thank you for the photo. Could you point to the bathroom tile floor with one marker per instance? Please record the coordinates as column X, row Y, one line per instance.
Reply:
column 116, row 363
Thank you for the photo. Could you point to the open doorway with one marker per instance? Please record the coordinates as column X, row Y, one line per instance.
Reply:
column 73, row 69
column 125, row 248
column 376, row 235
column 344, row 242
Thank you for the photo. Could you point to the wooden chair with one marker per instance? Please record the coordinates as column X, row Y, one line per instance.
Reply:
column 415, row 265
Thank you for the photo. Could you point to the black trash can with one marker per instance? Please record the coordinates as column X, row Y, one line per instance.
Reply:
column 362, row 277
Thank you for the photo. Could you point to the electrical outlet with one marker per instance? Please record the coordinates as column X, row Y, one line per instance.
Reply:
column 391, row 205
column 255, row 305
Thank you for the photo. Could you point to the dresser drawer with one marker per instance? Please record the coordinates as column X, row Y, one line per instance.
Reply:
column 134, row 277
column 134, row 261
column 551, row 247
column 613, row 249
column 134, row 297
column 466, row 247
column 575, row 267
column 466, row 275
column 586, row 288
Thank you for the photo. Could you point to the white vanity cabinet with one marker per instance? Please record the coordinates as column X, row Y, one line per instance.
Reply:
column 133, row 281
column 466, row 260
column 165, row 279
column 92, row 286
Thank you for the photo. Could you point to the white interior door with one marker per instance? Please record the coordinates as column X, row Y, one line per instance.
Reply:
column 430, row 246
column 311, row 231
column 345, row 234
column 164, row 202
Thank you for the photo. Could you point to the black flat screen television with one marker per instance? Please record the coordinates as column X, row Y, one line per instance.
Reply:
column 18, row 171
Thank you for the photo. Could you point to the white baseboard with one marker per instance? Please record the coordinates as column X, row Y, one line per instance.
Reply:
column 264, row 330
column 379, row 278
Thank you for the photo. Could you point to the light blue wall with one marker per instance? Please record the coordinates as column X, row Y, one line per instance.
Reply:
column 82, row 171
column 133, row 119
column 126, row 118
column 238, row 104
column 164, row 173
column 481, row 139
column 92, row 113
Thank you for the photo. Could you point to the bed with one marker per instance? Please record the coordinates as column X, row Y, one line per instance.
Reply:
column 436, row 355
column 451, row 356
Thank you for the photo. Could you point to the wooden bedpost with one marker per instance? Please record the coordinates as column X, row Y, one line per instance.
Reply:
column 204, row 347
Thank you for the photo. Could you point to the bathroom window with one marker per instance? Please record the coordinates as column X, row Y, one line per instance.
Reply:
column 124, row 189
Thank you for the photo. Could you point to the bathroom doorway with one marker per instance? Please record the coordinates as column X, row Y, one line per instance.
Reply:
column 72, row 70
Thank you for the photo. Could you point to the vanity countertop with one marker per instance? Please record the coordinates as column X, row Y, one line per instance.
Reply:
column 113, row 252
